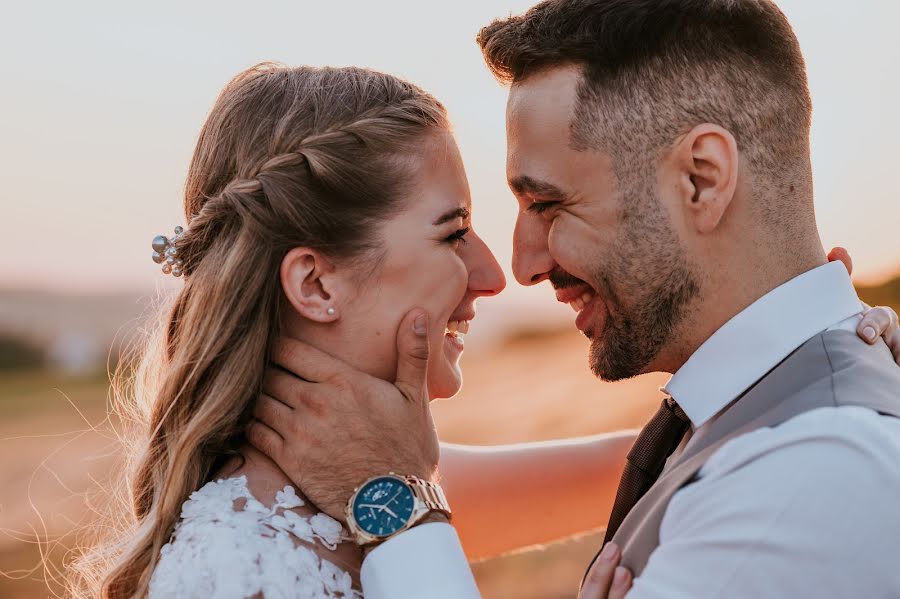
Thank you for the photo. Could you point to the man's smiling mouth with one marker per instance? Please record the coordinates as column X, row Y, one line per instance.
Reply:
column 577, row 296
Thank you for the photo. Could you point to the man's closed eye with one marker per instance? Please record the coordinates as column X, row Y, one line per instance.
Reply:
column 541, row 207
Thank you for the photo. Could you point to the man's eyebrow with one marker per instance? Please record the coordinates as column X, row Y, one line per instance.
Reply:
column 460, row 212
column 524, row 184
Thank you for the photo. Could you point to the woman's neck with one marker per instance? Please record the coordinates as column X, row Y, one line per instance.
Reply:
column 264, row 478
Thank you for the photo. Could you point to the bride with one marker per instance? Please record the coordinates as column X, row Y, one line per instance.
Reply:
column 321, row 204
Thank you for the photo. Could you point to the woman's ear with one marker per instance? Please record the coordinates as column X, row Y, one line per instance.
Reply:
column 707, row 162
column 309, row 282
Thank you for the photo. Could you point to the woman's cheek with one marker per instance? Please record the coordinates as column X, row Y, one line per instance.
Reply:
column 461, row 276
column 451, row 287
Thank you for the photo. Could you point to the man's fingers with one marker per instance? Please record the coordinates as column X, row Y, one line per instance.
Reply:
column 412, row 358
column 288, row 389
column 272, row 413
column 599, row 578
column 305, row 361
column 265, row 439
column 843, row 255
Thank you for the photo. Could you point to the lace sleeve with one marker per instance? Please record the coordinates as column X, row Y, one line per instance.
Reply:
column 228, row 545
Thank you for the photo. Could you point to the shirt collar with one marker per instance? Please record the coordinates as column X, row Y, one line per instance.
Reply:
column 749, row 345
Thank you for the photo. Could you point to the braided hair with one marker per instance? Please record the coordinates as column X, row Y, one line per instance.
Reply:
column 288, row 157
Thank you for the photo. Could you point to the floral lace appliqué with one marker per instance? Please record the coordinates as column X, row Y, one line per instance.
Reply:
column 220, row 552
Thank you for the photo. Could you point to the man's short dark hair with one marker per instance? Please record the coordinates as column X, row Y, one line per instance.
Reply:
column 653, row 69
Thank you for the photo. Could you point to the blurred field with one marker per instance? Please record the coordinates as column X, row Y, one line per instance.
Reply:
column 534, row 387
column 57, row 450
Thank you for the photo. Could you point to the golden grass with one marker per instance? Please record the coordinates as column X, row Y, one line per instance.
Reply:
column 531, row 388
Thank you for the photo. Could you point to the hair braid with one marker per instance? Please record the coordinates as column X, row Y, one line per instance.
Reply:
column 287, row 157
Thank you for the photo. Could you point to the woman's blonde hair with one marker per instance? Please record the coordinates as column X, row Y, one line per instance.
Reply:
column 288, row 157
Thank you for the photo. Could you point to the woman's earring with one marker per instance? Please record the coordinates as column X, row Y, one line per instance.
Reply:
column 330, row 311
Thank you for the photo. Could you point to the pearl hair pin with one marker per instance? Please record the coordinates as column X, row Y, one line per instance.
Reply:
column 165, row 253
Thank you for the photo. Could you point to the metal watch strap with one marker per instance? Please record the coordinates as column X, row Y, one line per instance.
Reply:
column 430, row 494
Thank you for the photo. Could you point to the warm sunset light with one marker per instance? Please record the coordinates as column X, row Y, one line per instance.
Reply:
column 101, row 109
column 680, row 389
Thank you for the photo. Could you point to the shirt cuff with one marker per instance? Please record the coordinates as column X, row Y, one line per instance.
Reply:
column 424, row 561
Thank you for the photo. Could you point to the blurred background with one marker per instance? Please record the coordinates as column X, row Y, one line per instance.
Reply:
column 100, row 107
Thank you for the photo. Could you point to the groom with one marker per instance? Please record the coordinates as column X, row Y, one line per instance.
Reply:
column 659, row 154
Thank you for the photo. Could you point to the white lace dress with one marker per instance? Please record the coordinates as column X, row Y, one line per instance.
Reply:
column 222, row 550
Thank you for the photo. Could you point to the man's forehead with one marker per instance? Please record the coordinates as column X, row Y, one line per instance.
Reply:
column 539, row 114
column 545, row 95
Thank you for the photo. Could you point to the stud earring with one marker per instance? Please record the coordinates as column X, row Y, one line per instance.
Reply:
column 330, row 311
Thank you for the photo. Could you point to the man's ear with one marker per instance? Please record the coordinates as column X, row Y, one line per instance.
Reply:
column 309, row 282
column 706, row 161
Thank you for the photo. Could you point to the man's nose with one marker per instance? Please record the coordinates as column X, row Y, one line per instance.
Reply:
column 531, row 260
column 486, row 278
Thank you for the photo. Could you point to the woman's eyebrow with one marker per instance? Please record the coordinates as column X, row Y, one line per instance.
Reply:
column 460, row 212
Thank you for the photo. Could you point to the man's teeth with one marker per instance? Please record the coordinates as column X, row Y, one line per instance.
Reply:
column 579, row 303
column 457, row 326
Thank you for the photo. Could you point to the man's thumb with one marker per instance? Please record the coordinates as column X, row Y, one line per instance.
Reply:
column 412, row 358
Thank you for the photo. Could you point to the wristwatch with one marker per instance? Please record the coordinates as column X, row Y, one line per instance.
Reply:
column 387, row 505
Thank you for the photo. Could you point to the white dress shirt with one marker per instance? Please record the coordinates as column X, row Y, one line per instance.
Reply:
column 806, row 509
column 827, row 525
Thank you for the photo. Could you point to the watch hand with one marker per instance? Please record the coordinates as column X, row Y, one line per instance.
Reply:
column 388, row 510
column 394, row 497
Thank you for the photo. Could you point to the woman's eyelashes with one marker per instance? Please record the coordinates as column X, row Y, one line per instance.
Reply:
column 457, row 237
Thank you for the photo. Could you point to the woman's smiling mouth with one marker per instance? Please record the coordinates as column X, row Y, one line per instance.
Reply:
column 457, row 329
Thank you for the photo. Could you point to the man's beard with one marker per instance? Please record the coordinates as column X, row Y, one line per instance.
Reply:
column 652, row 273
column 631, row 340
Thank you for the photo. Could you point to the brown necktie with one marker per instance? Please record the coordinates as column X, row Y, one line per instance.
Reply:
column 658, row 439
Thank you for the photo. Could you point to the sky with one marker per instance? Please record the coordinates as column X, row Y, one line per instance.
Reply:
column 101, row 104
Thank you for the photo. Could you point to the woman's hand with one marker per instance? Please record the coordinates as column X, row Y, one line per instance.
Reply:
column 880, row 321
column 606, row 579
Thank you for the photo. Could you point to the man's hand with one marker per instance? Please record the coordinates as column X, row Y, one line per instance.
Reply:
column 331, row 427
column 606, row 579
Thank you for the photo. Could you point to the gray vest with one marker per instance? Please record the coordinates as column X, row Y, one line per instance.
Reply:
column 832, row 369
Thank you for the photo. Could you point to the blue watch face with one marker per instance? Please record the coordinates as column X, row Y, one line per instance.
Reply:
column 383, row 506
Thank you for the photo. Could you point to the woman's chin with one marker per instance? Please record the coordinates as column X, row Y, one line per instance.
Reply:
column 444, row 389
column 445, row 377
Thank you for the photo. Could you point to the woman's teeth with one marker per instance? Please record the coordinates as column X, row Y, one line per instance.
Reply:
column 579, row 303
column 457, row 326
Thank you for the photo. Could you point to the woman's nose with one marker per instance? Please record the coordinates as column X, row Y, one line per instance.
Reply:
column 486, row 278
